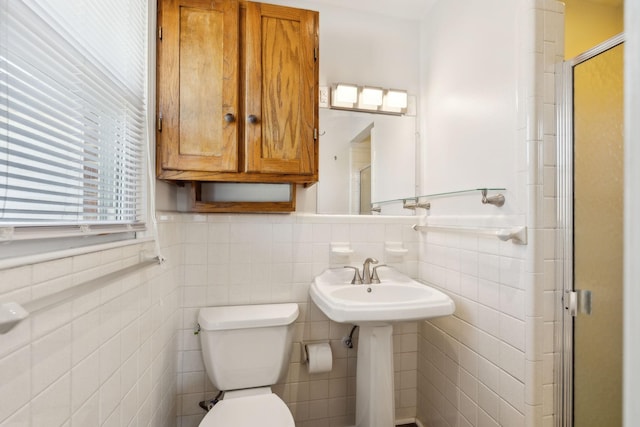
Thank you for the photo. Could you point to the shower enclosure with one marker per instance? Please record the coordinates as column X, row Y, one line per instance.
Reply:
column 590, row 208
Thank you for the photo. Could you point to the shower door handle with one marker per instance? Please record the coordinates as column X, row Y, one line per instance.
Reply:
column 578, row 301
column 584, row 301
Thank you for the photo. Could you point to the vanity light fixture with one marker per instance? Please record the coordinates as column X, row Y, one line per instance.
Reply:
column 368, row 99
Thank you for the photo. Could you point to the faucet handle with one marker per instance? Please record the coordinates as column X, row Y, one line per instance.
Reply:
column 374, row 275
column 357, row 280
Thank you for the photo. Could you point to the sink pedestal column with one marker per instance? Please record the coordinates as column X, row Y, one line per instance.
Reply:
column 375, row 405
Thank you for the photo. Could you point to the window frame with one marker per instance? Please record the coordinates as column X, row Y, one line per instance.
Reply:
column 46, row 240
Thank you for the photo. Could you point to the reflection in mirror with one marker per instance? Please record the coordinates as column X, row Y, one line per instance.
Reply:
column 365, row 158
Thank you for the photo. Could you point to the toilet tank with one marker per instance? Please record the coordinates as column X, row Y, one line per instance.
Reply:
column 246, row 346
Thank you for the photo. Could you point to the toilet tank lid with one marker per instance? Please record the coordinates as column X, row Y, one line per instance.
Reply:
column 247, row 316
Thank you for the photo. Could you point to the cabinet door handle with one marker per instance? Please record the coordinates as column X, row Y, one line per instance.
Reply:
column 229, row 118
column 252, row 119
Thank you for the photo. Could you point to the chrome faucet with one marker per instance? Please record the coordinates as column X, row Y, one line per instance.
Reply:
column 357, row 280
column 366, row 270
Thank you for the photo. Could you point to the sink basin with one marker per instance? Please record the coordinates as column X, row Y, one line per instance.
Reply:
column 396, row 298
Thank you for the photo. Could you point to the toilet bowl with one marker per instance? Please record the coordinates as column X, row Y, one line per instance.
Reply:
column 246, row 350
column 258, row 407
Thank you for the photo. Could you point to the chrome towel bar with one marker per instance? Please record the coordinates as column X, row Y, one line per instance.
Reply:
column 13, row 313
column 517, row 235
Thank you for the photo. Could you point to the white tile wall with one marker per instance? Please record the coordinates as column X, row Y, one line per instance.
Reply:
column 107, row 358
column 553, row 15
column 472, row 364
column 251, row 259
column 492, row 363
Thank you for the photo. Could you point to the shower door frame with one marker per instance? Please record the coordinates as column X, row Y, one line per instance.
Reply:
column 564, row 238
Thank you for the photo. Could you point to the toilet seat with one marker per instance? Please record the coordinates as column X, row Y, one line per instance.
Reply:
column 263, row 409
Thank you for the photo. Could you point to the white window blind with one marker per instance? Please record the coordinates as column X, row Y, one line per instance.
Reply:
column 73, row 76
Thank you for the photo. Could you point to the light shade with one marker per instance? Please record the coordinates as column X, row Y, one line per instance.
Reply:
column 396, row 98
column 345, row 93
column 371, row 96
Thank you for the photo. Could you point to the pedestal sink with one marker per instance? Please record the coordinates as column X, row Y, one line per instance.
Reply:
column 374, row 308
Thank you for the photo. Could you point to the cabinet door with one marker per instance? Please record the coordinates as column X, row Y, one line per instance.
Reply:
column 198, row 85
column 281, row 86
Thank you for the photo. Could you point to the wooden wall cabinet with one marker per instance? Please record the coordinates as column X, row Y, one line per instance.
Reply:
column 237, row 92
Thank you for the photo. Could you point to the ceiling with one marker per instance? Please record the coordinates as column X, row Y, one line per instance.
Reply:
column 406, row 9
column 412, row 9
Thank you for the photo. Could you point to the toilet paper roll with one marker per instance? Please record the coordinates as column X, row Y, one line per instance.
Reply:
column 319, row 358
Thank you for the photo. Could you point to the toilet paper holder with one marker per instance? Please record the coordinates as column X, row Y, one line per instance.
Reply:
column 318, row 357
column 305, row 351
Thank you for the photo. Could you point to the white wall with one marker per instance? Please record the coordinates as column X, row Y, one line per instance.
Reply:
column 365, row 48
column 487, row 78
column 469, row 97
column 104, row 359
column 632, row 210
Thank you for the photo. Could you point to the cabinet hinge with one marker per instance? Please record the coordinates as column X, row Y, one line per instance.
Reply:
column 315, row 53
column 315, row 133
column 160, row 122
column 160, row 33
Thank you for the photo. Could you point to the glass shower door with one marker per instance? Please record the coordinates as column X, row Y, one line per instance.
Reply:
column 598, row 238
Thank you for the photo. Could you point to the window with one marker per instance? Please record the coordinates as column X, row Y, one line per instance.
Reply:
column 73, row 78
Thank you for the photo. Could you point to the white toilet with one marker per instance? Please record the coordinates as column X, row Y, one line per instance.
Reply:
column 246, row 349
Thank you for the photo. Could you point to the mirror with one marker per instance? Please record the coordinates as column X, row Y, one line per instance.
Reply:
column 365, row 158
